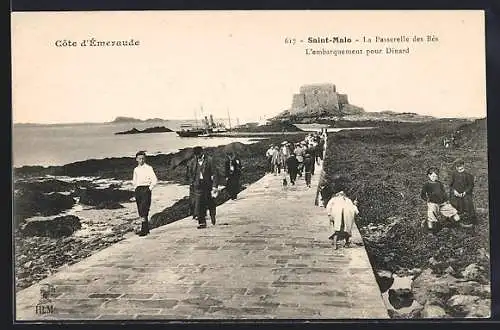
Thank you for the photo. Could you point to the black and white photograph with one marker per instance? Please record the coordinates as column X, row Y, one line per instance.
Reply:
column 250, row 165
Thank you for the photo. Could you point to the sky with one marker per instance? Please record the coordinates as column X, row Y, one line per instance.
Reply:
column 238, row 63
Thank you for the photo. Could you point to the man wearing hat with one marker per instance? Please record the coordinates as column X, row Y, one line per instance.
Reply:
column 291, row 164
column 308, row 168
column 299, row 154
column 201, row 173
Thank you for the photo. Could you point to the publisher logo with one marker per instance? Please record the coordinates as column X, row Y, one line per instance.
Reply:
column 44, row 305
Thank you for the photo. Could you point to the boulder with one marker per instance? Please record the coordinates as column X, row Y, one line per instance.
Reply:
column 483, row 254
column 384, row 279
column 449, row 270
column 415, row 272
column 56, row 227
column 462, row 300
column 481, row 309
column 485, row 291
column 433, row 262
column 428, row 288
column 433, row 311
column 467, row 288
column 472, row 272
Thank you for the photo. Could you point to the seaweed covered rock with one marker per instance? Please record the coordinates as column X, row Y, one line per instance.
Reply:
column 32, row 203
column 44, row 186
column 429, row 288
column 55, row 227
column 103, row 197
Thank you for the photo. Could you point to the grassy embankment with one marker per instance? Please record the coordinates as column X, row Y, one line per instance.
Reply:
column 386, row 168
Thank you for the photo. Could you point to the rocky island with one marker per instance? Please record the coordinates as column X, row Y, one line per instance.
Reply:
column 323, row 104
column 156, row 129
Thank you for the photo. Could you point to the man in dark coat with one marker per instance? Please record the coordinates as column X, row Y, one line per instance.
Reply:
column 461, row 187
column 232, row 168
column 292, row 164
column 308, row 168
column 201, row 174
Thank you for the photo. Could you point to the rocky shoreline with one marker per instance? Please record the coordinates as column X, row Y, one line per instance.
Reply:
column 101, row 191
column 446, row 274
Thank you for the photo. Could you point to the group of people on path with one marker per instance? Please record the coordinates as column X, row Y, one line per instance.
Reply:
column 201, row 173
column 296, row 159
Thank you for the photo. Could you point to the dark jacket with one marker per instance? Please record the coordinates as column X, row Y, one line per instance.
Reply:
column 207, row 169
column 308, row 164
column 236, row 162
column 462, row 182
column 434, row 192
column 292, row 163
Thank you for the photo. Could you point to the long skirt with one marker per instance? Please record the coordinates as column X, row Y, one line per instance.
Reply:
column 143, row 200
column 465, row 207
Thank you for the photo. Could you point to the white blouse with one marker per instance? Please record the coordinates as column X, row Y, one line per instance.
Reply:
column 144, row 175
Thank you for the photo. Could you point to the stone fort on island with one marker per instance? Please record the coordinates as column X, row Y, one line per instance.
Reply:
column 321, row 98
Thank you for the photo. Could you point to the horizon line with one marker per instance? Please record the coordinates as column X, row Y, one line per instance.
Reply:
column 191, row 119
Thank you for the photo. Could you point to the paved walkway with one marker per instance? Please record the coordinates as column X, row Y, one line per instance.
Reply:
column 268, row 257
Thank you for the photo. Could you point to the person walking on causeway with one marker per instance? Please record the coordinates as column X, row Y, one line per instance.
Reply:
column 341, row 212
column 144, row 180
column 201, row 173
column 232, row 168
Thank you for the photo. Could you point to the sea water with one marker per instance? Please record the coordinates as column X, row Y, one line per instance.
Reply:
column 66, row 143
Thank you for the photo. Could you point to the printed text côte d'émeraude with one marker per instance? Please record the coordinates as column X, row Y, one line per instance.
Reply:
column 93, row 42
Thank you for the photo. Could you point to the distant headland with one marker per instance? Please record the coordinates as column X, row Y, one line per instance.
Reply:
column 121, row 119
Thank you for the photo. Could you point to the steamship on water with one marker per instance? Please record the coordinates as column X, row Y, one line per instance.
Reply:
column 208, row 129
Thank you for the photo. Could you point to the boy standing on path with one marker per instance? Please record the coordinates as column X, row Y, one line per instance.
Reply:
column 144, row 180
column 434, row 193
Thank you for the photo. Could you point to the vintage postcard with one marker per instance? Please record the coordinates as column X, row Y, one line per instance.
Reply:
column 264, row 165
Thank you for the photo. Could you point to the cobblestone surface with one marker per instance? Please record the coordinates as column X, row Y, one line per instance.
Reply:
column 268, row 257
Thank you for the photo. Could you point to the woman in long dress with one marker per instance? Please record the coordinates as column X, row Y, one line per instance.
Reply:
column 342, row 212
